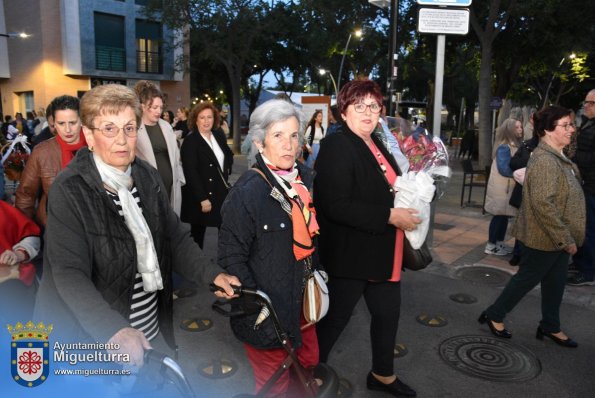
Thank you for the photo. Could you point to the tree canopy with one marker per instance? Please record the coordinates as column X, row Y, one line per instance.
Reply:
column 515, row 49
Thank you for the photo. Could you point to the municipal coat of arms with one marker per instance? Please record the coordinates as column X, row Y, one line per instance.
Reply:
column 30, row 353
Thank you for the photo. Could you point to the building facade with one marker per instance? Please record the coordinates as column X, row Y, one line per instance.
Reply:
column 75, row 45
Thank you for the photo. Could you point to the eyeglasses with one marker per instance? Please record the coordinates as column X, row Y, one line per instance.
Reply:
column 111, row 130
column 567, row 126
column 361, row 107
column 588, row 103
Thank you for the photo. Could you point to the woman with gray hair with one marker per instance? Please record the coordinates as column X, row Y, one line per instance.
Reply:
column 113, row 239
column 267, row 240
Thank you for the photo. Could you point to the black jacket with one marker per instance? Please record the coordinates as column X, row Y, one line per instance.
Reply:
column 204, row 178
column 585, row 154
column 518, row 161
column 256, row 245
column 90, row 255
column 353, row 201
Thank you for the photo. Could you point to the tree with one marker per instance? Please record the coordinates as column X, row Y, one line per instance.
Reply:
column 230, row 33
column 487, row 20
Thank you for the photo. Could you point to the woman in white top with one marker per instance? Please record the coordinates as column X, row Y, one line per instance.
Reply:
column 314, row 133
column 207, row 162
column 156, row 142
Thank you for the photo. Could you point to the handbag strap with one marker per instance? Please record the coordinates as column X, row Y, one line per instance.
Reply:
column 225, row 183
column 263, row 175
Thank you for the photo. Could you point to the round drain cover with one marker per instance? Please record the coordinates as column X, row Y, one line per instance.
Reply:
column 489, row 358
column 463, row 298
column 196, row 324
column 217, row 368
column 484, row 275
column 345, row 388
column 400, row 350
column 435, row 321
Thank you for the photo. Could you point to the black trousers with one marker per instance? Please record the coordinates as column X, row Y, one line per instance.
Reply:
column 197, row 231
column 384, row 303
column 536, row 266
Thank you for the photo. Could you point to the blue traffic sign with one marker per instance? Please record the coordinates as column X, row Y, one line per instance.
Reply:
column 495, row 103
column 454, row 3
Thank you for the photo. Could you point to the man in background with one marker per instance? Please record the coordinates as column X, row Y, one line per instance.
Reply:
column 584, row 259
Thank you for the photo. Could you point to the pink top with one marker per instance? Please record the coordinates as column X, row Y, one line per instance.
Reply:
column 391, row 177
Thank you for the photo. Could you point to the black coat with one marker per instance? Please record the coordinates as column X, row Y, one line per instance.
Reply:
column 204, row 178
column 256, row 245
column 90, row 255
column 353, row 201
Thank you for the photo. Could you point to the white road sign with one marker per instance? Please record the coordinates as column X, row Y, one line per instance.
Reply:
column 444, row 21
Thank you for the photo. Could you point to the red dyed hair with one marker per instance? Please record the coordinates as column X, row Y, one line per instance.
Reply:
column 355, row 91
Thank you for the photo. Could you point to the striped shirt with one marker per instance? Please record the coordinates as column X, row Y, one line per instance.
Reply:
column 143, row 310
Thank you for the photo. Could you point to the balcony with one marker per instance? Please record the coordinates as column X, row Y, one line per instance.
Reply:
column 110, row 58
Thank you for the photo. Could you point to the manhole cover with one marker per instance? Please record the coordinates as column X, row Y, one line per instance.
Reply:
column 400, row 350
column 490, row 359
column 217, row 368
column 484, row 275
column 432, row 320
column 196, row 324
column 463, row 298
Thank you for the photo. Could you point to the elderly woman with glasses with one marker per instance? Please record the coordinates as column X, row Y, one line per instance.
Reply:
column 113, row 239
column 361, row 233
column 550, row 226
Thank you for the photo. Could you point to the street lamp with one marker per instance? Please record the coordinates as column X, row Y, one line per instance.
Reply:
column 21, row 35
column 357, row 33
column 322, row 72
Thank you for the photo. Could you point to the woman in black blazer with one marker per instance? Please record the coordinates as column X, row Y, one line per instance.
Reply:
column 207, row 161
column 361, row 234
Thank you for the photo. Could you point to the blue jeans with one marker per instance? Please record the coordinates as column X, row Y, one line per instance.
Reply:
column 584, row 259
column 497, row 230
column 313, row 156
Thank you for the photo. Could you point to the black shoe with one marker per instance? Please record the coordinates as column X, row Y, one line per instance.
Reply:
column 564, row 343
column 483, row 318
column 396, row 388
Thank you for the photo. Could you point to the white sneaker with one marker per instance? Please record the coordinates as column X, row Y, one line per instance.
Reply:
column 504, row 247
column 494, row 249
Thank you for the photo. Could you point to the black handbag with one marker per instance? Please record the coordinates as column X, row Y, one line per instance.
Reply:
column 416, row 259
column 517, row 196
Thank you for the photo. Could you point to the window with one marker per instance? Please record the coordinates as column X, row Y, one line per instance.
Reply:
column 148, row 47
column 110, row 50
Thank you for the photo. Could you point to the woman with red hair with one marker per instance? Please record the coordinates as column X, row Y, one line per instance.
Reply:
column 361, row 233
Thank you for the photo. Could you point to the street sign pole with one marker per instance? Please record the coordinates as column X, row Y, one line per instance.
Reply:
column 440, row 45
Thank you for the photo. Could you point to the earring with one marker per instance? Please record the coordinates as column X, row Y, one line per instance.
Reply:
column 260, row 151
column 90, row 149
